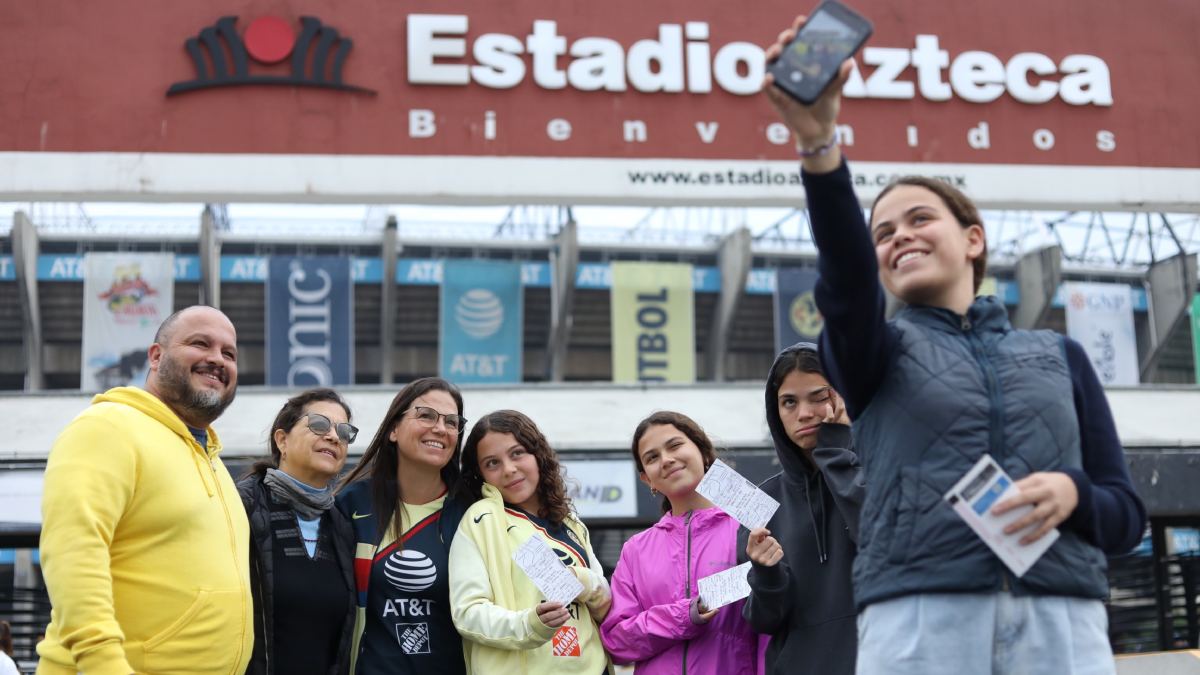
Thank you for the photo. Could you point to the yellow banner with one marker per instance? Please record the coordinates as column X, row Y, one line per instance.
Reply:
column 653, row 322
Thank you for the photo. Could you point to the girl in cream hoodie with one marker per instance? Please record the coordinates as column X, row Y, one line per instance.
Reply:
column 506, row 624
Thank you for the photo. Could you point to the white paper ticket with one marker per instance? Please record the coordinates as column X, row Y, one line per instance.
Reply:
column 737, row 496
column 725, row 587
column 546, row 571
column 984, row 486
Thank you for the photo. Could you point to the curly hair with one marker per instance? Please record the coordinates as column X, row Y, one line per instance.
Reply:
column 684, row 424
column 551, row 489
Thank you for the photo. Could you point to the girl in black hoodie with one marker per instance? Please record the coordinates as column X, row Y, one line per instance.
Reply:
column 804, row 601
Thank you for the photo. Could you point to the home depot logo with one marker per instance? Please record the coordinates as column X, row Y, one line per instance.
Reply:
column 222, row 57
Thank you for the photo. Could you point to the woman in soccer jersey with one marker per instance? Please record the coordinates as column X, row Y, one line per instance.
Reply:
column 402, row 502
column 510, row 468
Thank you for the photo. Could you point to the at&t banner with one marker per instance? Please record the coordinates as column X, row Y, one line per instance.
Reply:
column 653, row 323
column 796, row 315
column 310, row 322
column 125, row 297
column 1100, row 317
column 481, row 321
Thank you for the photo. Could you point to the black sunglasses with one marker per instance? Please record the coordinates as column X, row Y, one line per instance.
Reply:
column 320, row 425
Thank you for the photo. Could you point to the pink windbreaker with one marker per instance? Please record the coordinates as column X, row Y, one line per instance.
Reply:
column 652, row 589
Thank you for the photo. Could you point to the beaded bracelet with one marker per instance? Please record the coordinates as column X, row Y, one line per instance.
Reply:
column 818, row 151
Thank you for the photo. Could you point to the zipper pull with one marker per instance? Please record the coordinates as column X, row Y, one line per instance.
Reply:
column 966, row 324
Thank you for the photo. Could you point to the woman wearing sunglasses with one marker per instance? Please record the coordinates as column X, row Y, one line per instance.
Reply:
column 301, row 560
column 401, row 499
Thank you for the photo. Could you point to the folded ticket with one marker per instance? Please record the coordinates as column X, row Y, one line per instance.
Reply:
column 725, row 587
column 737, row 496
column 973, row 497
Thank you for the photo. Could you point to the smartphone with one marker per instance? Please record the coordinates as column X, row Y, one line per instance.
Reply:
column 811, row 61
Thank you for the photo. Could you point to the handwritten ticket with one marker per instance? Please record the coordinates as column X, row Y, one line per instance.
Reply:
column 542, row 566
column 726, row 587
column 737, row 496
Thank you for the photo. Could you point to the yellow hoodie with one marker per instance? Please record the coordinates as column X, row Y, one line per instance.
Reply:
column 145, row 546
column 492, row 601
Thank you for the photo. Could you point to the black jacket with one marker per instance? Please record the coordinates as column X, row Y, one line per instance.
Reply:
column 806, row 601
column 255, row 498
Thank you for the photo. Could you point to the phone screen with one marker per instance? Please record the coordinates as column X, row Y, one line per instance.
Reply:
column 813, row 58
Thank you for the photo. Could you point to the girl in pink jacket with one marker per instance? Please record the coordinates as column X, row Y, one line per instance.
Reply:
column 656, row 621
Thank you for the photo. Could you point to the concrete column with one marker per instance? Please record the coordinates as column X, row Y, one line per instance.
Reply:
column 564, row 264
column 210, row 260
column 1171, row 283
column 25, row 254
column 387, row 304
column 733, row 262
column 1039, row 274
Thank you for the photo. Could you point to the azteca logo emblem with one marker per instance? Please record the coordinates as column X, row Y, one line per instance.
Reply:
column 124, row 298
column 222, row 57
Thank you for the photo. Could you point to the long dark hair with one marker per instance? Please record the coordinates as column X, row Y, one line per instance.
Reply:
column 551, row 488
column 381, row 460
column 687, row 426
column 6, row 645
column 287, row 417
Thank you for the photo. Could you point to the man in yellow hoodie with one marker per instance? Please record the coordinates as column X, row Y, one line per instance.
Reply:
column 145, row 545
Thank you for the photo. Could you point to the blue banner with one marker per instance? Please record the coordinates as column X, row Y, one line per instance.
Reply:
column 482, row 319
column 796, row 315
column 310, row 322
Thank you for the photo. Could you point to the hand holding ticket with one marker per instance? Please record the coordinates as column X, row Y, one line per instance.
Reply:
column 973, row 497
column 737, row 496
column 723, row 588
column 552, row 578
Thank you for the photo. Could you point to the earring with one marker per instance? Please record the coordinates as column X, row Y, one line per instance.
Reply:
column 653, row 492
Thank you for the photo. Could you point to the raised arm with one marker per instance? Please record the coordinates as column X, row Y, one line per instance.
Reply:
column 855, row 343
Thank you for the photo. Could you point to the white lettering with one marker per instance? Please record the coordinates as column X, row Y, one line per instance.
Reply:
column 1086, row 80
column 977, row 77
column 421, row 123
column 929, row 61
column 707, row 131
column 489, row 125
column 1043, row 139
column 558, row 129
column 778, row 133
column 501, row 66
column 978, row 137
column 889, row 62
column 423, row 48
column 699, row 72
column 1017, row 76
column 1106, row 141
column 599, row 64
column 666, row 52
column 635, row 131
column 912, row 136
column 844, row 133
column 546, row 45
column 730, row 58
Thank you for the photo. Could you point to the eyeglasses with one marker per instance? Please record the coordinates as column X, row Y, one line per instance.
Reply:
column 320, row 425
column 429, row 417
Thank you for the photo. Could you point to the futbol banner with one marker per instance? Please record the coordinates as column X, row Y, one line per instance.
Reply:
column 310, row 322
column 653, row 322
column 481, row 321
column 796, row 315
column 1100, row 317
column 125, row 297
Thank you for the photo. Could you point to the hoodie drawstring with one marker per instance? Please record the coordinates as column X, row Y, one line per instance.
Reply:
column 818, row 532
